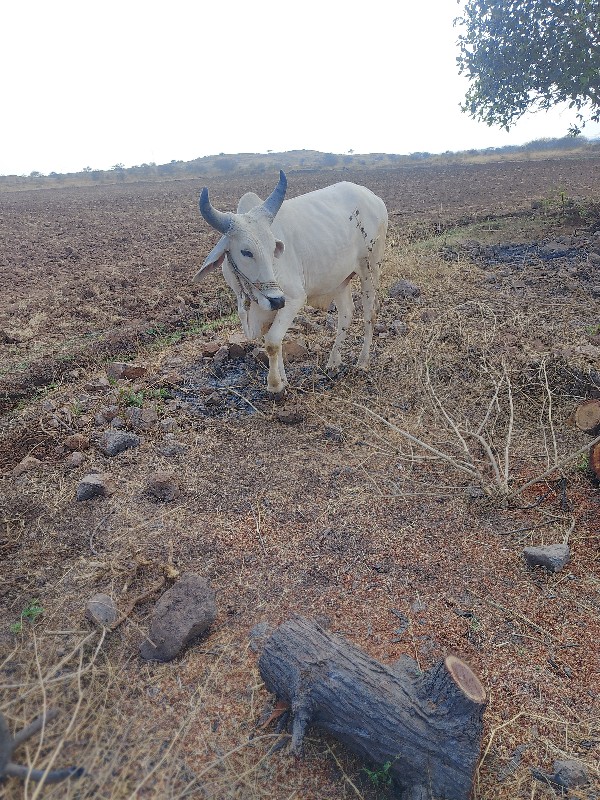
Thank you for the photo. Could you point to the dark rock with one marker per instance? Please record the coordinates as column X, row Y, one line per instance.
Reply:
column 238, row 345
column 102, row 610
column 184, row 612
column 294, row 351
column 260, row 354
column 77, row 442
column 27, row 464
column 404, row 290
column 259, row 635
column 141, row 419
column 333, row 433
column 75, row 459
column 113, row 442
column 118, row 370
column 554, row 249
column 171, row 447
column 553, row 557
column 570, row 774
column 210, row 349
column 221, row 356
column 101, row 385
column 289, row 416
column 399, row 328
column 163, row 487
column 96, row 484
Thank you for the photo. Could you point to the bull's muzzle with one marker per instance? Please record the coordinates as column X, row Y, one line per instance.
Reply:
column 276, row 302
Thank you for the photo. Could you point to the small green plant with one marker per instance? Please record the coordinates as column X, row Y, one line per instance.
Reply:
column 159, row 394
column 592, row 330
column 31, row 612
column 214, row 324
column 130, row 398
column 380, row 777
column 583, row 463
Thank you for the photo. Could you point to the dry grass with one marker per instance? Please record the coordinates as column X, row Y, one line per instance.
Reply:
column 421, row 504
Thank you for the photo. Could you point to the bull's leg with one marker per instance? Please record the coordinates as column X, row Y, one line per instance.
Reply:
column 369, row 300
column 276, row 379
column 345, row 309
column 369, row 280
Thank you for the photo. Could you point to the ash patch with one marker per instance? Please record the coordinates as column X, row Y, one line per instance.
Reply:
column 239, row 386
column 559, row 267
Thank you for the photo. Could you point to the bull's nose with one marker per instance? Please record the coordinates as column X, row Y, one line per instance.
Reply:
column 277, row 302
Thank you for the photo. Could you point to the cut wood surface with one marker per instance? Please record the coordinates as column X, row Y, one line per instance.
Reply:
column 427, row 724
column 587, row 417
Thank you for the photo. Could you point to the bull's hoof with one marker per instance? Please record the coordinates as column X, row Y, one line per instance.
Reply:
column 278, row 397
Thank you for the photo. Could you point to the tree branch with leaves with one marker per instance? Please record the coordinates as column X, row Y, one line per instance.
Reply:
column 525, row 55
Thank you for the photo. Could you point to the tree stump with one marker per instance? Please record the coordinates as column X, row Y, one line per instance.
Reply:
column 587, row 417
column 428, row 725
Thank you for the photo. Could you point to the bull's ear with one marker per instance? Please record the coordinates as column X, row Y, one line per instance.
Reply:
column 213, row 260
column 279, row 248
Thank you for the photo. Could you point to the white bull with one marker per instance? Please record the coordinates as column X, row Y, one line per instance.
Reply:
column 278, row 256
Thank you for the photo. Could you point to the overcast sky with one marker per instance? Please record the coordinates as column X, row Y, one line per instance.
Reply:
column 95, row 84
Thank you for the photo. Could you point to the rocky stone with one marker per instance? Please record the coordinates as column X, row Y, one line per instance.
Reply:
column 238, row 345
column 113, row 442
column 141, row 419
column 307, row 325
column 168, row 424
column 75, row 459
column 404, row 290
column 210, row 349
column 27, row 464
column 554, row 249
column 221, row 356
column 333, row 433
column 102, row 610
column 289, row 416
column 77, row 442
column 171, row 447
column 570, row 774
column 260, row 354
column 106, row 415
column 259, row 635
column 163, row 487
column 553, row 557
column 184, row 612
column 96, row 484
column 118, row 370
column 101, row 385
column 399, row 328
column 171, row 379
column 294, row 351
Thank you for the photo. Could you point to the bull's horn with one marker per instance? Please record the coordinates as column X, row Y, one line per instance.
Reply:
column 216, row 219
column 273, row 202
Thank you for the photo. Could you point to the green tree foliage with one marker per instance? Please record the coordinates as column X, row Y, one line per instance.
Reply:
column 525, row 55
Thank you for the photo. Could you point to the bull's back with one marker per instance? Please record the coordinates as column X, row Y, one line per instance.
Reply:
column 327, row 233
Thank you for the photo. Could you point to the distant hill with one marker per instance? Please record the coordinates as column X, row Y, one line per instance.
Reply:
column 226, row 164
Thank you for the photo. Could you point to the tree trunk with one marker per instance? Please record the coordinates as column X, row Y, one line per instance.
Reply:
column 428, row 725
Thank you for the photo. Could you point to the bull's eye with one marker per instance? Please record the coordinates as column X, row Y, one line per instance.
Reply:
column 247, row 253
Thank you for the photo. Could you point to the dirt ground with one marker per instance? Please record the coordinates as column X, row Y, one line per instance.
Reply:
column 363, row 500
